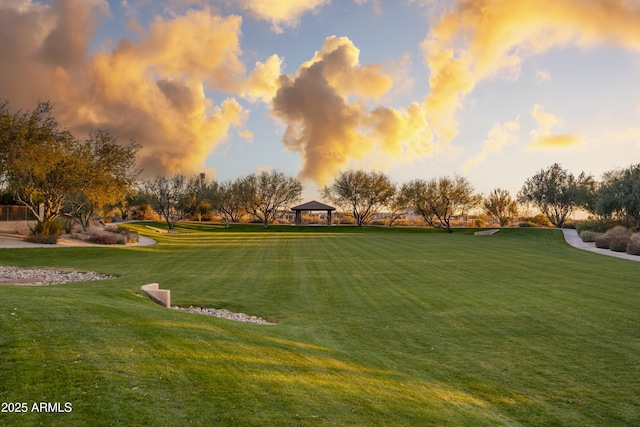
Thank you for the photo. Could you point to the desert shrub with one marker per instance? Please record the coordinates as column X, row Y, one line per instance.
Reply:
column 602, row 241
column 589, row 236
column 619, row 243
column 47, row 239
column 46, row 232
column 616, row 236
column 618, row 231
column 540, row 220
column 526, row 224
column 106, row 239
column 633, row 247
column 597, row 225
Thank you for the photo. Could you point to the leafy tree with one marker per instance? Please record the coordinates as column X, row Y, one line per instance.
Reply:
column 363, row 193
column 438, row 200
column 265, row 193
column 227, row 200
column 619, row 194
column 500, row 205
column 110, row 175
column 176, row 197
column 555, row 192
column 39, row 162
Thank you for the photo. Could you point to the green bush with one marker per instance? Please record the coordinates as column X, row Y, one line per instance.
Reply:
column 633, row 248
column 589, row 236
column 46, row 232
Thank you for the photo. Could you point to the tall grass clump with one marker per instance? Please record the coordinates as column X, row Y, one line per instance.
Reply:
column 633, row 248
column 615, row 239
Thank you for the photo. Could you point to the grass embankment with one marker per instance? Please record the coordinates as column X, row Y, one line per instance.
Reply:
column 376, row 327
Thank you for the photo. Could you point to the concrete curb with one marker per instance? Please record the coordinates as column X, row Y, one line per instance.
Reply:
column 157, row 295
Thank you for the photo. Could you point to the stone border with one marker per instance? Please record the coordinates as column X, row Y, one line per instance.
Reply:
column 163, row 297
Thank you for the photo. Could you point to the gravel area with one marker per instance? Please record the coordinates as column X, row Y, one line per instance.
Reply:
column 239, row 317
column 43, row 277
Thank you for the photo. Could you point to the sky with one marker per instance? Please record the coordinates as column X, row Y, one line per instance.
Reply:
column 493, row 90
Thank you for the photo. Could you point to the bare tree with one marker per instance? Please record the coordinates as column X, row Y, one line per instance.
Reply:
column 176, row 197
column 500, row 205
column 264, row 194
column 363, row 193
column 438, row 200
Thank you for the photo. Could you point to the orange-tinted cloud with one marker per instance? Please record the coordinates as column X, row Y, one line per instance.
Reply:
column 542, row 138
column 150, row 89
column 481, row 39
column 281, row 13
column 323, row 107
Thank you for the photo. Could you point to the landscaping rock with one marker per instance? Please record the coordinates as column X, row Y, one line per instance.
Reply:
column 42, row 276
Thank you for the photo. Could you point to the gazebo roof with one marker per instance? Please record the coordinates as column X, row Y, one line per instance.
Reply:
column 313, row 206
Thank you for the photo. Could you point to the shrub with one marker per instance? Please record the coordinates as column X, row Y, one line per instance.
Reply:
column 46, row 232
column 526, row 224
column 633, row 248
column 589, row 236
column 614, row 238
column 618, row 231
column 106, row 239
column 597, row 225
column 602, row 241
column 619, row 243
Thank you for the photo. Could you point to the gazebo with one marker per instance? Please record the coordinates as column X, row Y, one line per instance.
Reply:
column 312, row 206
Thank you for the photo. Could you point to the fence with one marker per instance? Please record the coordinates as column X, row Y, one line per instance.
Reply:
column 16, row 213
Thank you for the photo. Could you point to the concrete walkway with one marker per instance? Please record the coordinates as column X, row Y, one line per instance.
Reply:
column 572, row 238
column 12, row 241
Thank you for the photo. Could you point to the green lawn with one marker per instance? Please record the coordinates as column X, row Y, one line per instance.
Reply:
column 375, row 327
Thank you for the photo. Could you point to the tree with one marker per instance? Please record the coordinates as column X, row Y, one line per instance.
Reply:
column 555, row 192
column 500, row 205
column 438, row 200
column 176, row 197
column 363, row 193
column 227, row 200
column 39, row 162
column 619, row 194
column 110, row 175
column 264, row 194
column 396, row 205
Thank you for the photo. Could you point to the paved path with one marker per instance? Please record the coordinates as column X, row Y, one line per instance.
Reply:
column 572, row 238
column 16, row 241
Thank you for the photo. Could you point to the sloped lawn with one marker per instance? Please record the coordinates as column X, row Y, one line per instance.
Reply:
column 376, row 326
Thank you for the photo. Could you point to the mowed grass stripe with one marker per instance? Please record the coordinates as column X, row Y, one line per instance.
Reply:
column 377, row 327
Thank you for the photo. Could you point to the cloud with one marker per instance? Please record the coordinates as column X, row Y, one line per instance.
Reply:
column 542, row 138
column 151, row 89
column 281, row 13
column 262, row 82
column 500, row 135
column 327, row 122
column 482, row 39
column 542, row 76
